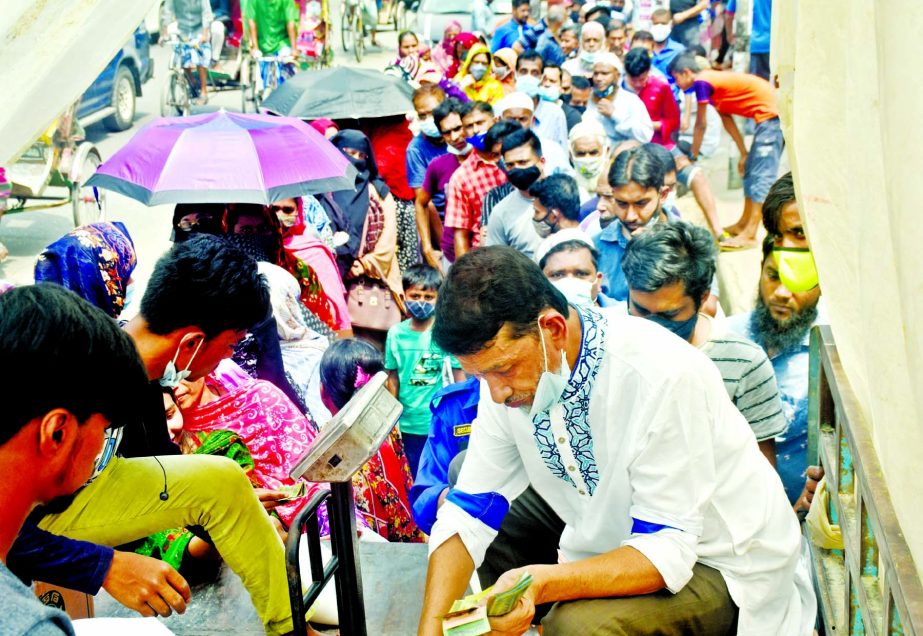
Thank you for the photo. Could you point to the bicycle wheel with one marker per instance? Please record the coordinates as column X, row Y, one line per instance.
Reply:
column 359, row 34
column 249, row 95
column 346, row 26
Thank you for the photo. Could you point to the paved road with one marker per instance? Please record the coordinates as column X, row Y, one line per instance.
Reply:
column 26, row 234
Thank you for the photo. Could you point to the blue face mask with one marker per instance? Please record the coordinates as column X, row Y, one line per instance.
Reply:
column 420, row 309
column 429, row 129
column 477, row 142
column 604, row 93
column 171, row 377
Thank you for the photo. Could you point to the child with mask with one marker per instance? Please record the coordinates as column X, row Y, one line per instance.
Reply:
column 416, row 367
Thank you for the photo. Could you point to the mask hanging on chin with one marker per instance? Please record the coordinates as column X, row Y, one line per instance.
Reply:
column 459, row 153
column 171, row 377
column 551, row 385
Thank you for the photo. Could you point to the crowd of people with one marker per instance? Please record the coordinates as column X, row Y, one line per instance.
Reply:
column 518, row 268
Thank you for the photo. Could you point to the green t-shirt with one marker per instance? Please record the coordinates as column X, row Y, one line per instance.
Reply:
column 418, row 362
column 272, row 18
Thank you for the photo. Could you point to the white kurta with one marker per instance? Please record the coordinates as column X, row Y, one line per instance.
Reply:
column 660, row 443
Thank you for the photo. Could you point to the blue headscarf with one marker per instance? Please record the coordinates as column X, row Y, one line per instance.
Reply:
column 95, row 261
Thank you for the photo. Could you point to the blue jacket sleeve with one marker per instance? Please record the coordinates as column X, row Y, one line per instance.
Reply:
column 38, row 555
column 452, row 406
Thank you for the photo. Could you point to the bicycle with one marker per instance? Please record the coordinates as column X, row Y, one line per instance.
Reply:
column 179, row 90
column 352, row 29
column 266, row 73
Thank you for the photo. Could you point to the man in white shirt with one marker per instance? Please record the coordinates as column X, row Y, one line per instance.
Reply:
column 622, row 113
column 674, row 523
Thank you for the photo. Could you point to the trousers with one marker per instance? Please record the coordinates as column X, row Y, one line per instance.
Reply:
column 123, row 504
column 531, row 532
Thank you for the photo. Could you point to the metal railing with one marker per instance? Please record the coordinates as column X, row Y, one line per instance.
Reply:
column 872, row 585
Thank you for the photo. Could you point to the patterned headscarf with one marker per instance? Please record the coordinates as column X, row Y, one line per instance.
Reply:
column 94, row 261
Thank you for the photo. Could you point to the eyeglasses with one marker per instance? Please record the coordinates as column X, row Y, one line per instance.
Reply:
column 285, row 209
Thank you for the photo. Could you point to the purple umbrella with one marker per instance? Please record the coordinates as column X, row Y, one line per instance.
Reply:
column 225, row 158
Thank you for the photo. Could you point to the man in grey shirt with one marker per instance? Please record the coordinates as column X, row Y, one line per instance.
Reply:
column 669, row 269
column 510, row 221
column 51, row 442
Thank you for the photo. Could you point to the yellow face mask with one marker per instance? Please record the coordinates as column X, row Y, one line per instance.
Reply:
column 797, row 270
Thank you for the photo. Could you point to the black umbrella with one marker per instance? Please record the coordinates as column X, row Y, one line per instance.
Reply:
column 341, row 93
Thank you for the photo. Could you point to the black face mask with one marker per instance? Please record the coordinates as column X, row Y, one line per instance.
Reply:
column 579, row 109
column 359, row 164
column 523, row 178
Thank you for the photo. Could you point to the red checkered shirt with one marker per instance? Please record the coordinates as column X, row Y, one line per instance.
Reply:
column 465, row 192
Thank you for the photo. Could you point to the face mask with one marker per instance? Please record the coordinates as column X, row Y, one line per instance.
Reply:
column 797, row 269
column 501, row 73
column 577, row 291
column 590, row 167
column 682, row 328
column 542, row 228
column 429, row 129
column 171, row 377
column 606, row 92
column 550, row 93
column 550, row 385
column 358, row 164
column 523, row 178
column 455, row 151
column 661, row 32
column 478, row 71
column 671, row 200
column 420, row 309
column 529, row 85
column 477, row 141
column 129, row 295
column 589, row 58
column 579, row 109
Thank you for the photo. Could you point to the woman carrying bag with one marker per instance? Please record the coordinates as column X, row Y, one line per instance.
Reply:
column 373, row 282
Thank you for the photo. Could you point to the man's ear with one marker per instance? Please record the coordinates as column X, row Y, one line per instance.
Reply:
column 55, row 430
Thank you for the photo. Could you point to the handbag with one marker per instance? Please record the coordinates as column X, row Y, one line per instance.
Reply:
column 371, row 304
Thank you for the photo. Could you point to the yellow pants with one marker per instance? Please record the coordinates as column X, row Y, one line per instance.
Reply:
column 124, row 505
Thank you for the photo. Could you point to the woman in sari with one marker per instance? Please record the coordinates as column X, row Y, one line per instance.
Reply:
column 302, row 347
column 476, row 77
column 382, row 484
column 371, row 212
column 95, row 261
column 505, row 69
column 443, row 54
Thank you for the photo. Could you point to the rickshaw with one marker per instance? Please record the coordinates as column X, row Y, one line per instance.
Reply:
column 60, row 158
column 238, row 70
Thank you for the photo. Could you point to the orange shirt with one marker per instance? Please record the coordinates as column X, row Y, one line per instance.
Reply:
column 736, row 94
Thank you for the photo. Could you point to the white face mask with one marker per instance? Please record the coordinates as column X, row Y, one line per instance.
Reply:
column 670, row 201
column 661, row 32
column 458, row 153
column 590, row 167
column 577, row 291
column 428, row 128
column 171, row 377
column 550, row 385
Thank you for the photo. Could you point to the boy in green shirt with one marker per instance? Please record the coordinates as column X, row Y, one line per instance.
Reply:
column 414, row 362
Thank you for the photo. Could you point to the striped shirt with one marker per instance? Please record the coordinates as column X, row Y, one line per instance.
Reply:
column 749, row 380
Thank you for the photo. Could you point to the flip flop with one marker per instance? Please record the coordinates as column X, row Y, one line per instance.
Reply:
column 733, row 245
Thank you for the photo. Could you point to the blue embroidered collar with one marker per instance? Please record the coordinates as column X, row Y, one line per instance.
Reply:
column 576, row 404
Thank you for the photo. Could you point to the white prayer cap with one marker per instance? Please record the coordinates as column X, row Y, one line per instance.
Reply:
column 593, row 28
column 562, row 236
column 609, row 59
column 589, row 128
column 514, row 100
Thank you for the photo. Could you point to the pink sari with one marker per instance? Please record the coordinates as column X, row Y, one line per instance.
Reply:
column 270, row 426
